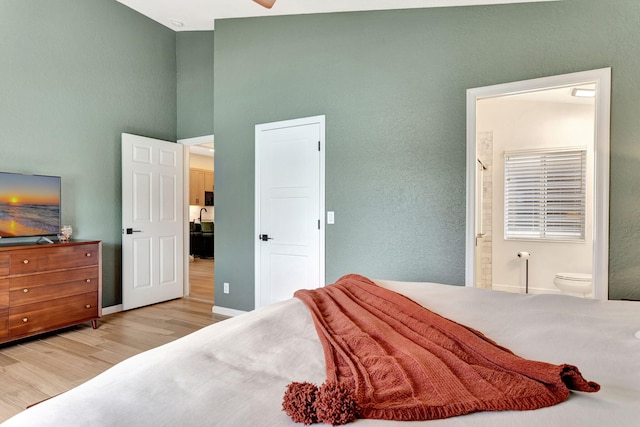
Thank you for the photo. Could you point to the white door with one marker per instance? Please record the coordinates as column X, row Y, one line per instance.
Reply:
column 289, row 208
column 152, row 225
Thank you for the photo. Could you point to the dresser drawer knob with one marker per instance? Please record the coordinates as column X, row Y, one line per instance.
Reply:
column 88, row 280
column 88, row 254
column 26, row 261
column 88, row 306
column 25, row 290
column 25, row 319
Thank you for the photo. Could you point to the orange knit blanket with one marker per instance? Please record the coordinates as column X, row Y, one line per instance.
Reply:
column 401, row 361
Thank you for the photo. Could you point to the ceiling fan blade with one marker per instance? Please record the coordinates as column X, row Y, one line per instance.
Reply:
column 265, row 3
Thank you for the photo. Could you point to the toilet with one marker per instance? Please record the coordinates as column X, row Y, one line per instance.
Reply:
column 576, row 284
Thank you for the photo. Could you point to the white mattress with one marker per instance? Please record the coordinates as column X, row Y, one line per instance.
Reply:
column 234, row 373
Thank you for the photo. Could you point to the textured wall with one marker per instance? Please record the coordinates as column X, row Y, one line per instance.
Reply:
column 392, row 86
column 75, row 74
column 195, row 83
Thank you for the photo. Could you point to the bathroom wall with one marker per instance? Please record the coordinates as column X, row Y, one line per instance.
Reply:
column 521, row 125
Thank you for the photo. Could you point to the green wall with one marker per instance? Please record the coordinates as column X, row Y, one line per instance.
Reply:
column 392, row 85
column 195, row 83
column 75, row 74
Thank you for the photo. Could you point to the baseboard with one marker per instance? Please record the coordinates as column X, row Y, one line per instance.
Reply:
column 226, row 311
column 112, row 309
column 216, row 310
column 521, row 289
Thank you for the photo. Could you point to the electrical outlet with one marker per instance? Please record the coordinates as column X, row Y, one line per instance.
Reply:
column 226, row 288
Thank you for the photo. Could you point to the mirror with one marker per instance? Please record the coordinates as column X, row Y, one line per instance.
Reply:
column 537, row 116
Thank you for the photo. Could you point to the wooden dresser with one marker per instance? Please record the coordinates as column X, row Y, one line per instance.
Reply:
column 48, row 287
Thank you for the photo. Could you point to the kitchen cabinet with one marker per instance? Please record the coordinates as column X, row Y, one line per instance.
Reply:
column 200, row 181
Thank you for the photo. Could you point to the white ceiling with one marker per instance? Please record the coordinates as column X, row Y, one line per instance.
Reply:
column 206, row 149
column 199, row 15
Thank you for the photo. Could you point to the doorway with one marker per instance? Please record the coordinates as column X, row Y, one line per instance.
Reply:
column 487, row 227
column 199, row 202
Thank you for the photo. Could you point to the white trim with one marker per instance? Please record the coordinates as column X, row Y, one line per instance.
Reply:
column 322, row 216
column 602, row 79
column 197, row 140
column 112, row 309
column 226, row 311
column 520, row 290
column 187, row 142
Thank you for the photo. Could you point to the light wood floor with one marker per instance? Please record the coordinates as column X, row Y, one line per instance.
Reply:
column 35, row 369
column 201, row 279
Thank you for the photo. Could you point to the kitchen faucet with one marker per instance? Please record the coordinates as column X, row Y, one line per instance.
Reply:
column 202, row 209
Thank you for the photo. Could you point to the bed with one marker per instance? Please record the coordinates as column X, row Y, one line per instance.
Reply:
column 234, row 373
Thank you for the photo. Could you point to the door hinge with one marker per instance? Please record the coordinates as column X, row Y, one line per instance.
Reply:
column 318, row 224
column 318, row 145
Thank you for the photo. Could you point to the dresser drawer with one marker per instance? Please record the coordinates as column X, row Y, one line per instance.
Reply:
column 4, row 293
column 51, row 286
column 4, row 324
column 4, row 264
column 53, row 258
column 48, row 315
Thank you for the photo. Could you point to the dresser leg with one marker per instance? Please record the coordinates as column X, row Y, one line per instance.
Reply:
column 94, row 323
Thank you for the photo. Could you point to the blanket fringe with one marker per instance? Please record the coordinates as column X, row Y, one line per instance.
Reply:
column 330, row 404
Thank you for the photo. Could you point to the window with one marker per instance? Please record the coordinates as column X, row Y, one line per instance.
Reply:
column 545, row 195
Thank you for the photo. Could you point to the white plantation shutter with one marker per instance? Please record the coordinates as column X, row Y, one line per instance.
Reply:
column 544, row 195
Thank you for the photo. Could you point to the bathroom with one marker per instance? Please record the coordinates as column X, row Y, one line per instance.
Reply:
column 541, row 124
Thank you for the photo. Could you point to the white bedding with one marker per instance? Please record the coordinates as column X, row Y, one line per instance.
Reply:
column 234, row 373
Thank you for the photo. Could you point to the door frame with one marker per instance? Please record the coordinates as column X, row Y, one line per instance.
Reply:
column 276, row 125
column 185, row 203
column 602, row 79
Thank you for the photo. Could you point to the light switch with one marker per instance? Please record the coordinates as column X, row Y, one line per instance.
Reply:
column 331, row 218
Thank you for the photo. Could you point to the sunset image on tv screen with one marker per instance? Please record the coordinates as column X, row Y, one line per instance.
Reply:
column 29, row 205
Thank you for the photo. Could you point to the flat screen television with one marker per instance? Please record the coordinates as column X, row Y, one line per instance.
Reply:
column 29, row 205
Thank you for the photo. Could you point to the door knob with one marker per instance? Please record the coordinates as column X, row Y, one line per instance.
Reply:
column 265, row 237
